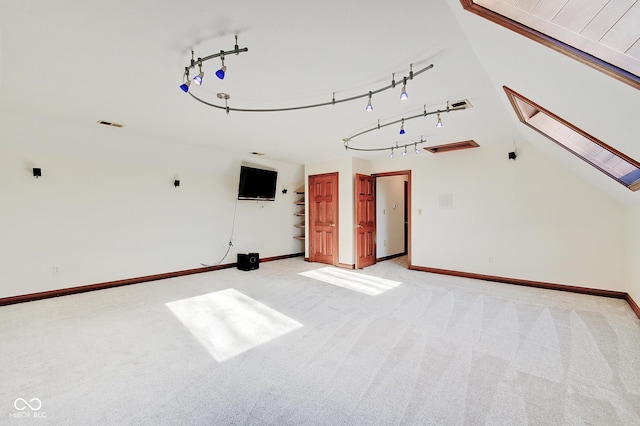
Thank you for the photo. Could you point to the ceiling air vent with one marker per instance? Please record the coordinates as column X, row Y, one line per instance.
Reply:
column 455, row 146
column 108, row 123
column 461, row 104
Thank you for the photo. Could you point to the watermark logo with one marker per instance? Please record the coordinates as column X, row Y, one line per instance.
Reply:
column 28, row 409
column 21, row 404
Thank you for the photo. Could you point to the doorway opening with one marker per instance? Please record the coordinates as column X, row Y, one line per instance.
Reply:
column 393, row 215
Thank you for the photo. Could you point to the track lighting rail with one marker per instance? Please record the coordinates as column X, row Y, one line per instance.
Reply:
column 401, row 120
column 198, row 62
column 333, row 100
column 396, row 146
column 235, row 51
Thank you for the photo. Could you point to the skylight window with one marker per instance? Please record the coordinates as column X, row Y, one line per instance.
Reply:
column 602, row 34
column 595, row 152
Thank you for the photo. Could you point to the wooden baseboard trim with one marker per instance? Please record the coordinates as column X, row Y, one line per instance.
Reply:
column 339, row 265
column 110, row 284
column 393, row 256
column 284, row 256
column 634, row 306
column 346, row 266
column 527, row 283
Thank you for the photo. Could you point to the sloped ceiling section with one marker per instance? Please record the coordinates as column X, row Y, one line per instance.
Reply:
column 596, row 103
column 603, row 35
column 81, row 62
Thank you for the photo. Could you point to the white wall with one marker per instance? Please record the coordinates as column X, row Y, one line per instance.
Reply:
column 633, row 255
column 109, row 211
column 390, row 215
column 476, row 211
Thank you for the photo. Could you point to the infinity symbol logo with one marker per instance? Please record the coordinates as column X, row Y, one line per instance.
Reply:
column 22, row 404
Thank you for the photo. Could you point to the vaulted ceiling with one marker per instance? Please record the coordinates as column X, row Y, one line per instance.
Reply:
column 122, row 61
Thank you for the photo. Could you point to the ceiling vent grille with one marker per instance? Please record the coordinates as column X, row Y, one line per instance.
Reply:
column 108, row 123
column 461, row 104
column 455, row 146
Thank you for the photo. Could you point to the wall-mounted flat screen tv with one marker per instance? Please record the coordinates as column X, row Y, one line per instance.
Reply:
column 257, row 184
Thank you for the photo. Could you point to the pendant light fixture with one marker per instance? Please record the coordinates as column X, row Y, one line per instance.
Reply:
column 198, row 78
column 402, row 132
column 439, row 122
column 403, row 94
column 221, row 72
column 369, row 107
column 185, row 86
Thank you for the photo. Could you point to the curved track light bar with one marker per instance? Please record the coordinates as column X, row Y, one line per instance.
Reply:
column 393, row 147
column 402, row 120
column 396, row 147
column 333, row 101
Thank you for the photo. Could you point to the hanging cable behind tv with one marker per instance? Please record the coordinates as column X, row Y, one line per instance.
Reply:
column 233, row 226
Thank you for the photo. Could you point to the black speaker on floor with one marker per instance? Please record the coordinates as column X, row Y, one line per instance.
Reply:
column 248, row 261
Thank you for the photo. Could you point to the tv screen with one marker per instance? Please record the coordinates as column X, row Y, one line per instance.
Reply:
column 257, row 184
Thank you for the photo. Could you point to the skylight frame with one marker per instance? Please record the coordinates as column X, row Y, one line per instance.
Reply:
column 526, row 118
column 588, row 59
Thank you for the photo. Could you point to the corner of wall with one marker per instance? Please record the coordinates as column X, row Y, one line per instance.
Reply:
column 633, row 253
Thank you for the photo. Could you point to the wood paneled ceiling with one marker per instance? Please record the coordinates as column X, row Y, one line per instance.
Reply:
column 608, row 29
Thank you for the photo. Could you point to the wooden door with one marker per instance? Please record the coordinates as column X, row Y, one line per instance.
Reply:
column 323, row 218
column 365, row 220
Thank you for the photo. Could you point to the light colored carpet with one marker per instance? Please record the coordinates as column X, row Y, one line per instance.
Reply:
column 228, row 323
column 430, row 350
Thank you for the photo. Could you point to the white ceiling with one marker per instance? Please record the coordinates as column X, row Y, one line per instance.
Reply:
column 122, row 61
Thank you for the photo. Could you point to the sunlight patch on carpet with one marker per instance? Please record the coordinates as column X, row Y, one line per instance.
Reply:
column 355, row 281
column 228, row 323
